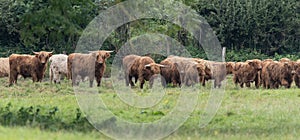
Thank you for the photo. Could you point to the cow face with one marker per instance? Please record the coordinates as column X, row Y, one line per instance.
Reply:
column 200, row 68
column 43, row 56
column 230, row 67
column 255, row 64
column 101, row 56
column 290, row 67
column 154, row 68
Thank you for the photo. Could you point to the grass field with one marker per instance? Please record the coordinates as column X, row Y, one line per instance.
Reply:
column 48, row 111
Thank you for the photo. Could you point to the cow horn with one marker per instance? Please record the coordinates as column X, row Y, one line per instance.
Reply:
column 34, row 52
column 109, row 51
column 92, row 51
column 147, row 65
column 163, row 66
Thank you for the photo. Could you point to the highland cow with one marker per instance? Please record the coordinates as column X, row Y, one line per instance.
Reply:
column 90, row 65
column 28, row 66
column 58, row 67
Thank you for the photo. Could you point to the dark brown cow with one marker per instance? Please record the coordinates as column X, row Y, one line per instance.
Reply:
column 90, row 65
column 247, row 72
column 128, row 62
column 265, row 77
column 297, row 73
column 142, row 66
column 28, row 66
column 280, row 73
column 170, row 73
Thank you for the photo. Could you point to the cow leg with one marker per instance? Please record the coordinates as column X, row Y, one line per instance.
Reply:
column 142, row 82
column 126, row 79
column 248, row 84
column 74, row 77
column 241, row 84
column 51, row 75
column 34, row 77
column 98, row 81
column 12, row 78
column 91, row 78
column 130, row 81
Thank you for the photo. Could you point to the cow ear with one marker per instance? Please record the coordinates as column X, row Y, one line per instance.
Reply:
column 107, row 55
column 50, row 54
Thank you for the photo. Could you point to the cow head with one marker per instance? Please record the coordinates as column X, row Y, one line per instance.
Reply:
column 201, row 69
column 154, row 68
column 257, row 64
column 230, row 67
column 101, row 56
column 289, row 66
column 43, row 56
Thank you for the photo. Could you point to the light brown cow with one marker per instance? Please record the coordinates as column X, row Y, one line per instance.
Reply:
column 142, row 66
column 247, row 72
column 4, row 67
column 90, row 65
column 28, row 66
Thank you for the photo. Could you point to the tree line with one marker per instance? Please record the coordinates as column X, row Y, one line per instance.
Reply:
column 247, row 28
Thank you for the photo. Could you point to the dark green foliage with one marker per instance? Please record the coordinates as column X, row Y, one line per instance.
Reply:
column 44, row 118
column 259, row 28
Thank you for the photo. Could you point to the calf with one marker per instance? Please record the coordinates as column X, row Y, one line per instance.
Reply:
column 58, row 67
column 28, row 66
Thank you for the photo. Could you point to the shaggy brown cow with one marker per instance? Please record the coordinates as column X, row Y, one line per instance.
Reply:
column 213, row 71
column 193, row 72
column 170, row 73
column 90, row 65
column 128, row 61
column 265, row 77
column 182, row 70
column 28, row 66
column 4, row 67
column 142, row 66
column 69, row 64
column 297, row 73
column 247, row 72
column 280, row 73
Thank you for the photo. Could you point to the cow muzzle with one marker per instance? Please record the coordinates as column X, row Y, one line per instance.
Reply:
column 293, row 72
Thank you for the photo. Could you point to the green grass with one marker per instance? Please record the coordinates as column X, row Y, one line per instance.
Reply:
column 244, row 113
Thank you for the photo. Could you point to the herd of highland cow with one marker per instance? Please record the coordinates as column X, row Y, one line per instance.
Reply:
column 175, row 70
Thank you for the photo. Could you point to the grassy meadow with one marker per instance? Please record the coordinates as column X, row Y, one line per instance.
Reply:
column 48, row 111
